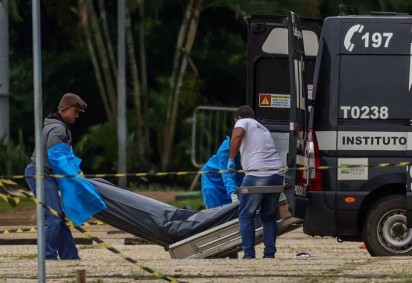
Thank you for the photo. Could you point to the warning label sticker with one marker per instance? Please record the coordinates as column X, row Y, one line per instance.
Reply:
column 274, row 100
column 265, row 100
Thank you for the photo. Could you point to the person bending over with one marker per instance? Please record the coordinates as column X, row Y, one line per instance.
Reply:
column 262, row 163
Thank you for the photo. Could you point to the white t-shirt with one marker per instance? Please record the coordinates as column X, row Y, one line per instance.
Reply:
column 258, row 150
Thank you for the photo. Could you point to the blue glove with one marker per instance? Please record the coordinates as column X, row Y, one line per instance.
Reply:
column 234, row 198
column 231, row 164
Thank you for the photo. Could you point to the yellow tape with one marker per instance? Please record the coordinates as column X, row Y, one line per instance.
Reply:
column 10, row 195
column 86, row 224
column 4, row 197
column 323, row 167
column 4, row 193
column 181, row 173
column 8, row 182
column 19, row 177
column 33, row 229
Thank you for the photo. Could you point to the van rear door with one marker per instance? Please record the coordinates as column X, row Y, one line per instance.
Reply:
column 298, row 117
column 268, row 77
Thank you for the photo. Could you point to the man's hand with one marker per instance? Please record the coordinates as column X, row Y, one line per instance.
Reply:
column 234, row 197
column 231, row 164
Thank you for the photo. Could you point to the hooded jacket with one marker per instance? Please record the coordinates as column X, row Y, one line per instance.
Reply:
column 54, row 131
column 80, row 200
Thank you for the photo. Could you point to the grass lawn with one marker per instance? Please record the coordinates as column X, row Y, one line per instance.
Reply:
column 194, row 203
column 24, row 202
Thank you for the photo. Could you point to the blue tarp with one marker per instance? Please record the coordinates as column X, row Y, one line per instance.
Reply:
column 80, row 198
column 217, row 188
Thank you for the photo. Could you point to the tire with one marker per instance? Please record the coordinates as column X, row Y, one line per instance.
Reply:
column 385, row 232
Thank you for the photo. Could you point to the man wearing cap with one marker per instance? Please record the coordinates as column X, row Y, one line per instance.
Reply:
column 59, row 240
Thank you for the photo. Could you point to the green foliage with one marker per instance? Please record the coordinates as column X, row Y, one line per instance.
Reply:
column 98, row 149
column 216, row 76
column 13, row 157
column 223, row 69
column 13, row 12
column 245, row 7
column 396, row 5
column 24, row 202
column 189, row 99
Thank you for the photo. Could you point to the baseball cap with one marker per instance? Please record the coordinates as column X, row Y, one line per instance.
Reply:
column 71, row 99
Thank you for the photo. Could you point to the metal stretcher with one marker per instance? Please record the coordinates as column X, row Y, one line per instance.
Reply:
column 223, row 240
column 184, row 233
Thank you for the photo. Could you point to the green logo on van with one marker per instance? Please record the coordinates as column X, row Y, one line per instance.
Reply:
column 345, row 170
column 352, row 169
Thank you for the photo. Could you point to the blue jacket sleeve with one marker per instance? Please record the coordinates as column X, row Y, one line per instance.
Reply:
column 230, row 180
column 213, row 188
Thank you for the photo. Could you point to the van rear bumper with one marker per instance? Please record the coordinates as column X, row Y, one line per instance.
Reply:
column 320, row 218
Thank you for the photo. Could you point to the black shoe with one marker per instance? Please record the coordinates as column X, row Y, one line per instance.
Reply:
column 248, row 257
column 267, row 256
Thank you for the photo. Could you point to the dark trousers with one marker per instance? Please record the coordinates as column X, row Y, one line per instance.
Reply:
column 267, row 206
column 59, row 239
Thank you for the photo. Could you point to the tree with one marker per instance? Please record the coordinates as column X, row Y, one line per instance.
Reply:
column 4, row 71
column 101, row 54
column 185, row 40
column 184, row 45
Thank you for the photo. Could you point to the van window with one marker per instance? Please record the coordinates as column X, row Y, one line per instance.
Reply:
column 277, row 42
column 272, row 93
column 268, row 85
column 272, row 89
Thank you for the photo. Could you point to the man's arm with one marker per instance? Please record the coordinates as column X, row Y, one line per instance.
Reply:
column 54, row 135
column 235, row 141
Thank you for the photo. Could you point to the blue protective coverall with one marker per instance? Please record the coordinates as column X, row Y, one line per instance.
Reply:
column 217, row 188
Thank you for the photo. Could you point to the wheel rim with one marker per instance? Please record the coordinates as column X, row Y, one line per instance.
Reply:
column 393, row 234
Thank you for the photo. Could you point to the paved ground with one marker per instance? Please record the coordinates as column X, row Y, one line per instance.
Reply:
column 329, row 262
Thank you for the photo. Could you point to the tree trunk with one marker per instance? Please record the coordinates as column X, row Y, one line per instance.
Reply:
column 178, row 54
column 101, row 49
column 83, row 12
column 143, row 72
column 106, row 37
column 4, row 72
column 174, row 102
column 141, row 138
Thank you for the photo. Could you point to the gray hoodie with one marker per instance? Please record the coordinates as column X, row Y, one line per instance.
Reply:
column 54, row 131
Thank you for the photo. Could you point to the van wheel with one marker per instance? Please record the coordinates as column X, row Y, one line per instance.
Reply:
column 385, row 232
